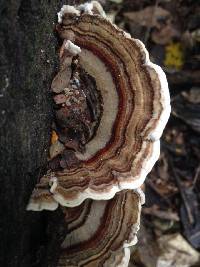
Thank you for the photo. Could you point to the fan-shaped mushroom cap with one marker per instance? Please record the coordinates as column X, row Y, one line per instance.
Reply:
column 41, row 198
column 100, row 232
column 135, row 109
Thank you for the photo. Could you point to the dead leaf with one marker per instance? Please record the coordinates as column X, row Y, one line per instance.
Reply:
column 162, row 214
column 149, row 16
column 165, row 34
column 176, row 252
column 193, row 96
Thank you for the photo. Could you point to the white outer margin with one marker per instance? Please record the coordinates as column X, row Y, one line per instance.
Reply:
column 95, row 195
column 154, row 70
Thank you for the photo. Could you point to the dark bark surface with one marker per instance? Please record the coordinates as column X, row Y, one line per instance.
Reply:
column 28, row 62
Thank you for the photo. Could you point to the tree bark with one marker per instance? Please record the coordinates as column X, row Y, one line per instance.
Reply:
column 28, row 62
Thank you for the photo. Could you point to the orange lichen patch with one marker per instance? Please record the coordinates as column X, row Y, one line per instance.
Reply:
column 54, row 137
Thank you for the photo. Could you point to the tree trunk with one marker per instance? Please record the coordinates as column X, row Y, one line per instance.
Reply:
column 28, row 62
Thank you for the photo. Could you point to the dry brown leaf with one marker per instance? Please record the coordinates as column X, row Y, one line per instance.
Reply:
column 165, row 34
column 176, row 252
column 148, row 16
column 193, row 95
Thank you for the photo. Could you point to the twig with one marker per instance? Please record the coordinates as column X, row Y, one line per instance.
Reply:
column 182, row 193
column 196, row 177
column 166, row 215
column 149, row 182
column 147, row 33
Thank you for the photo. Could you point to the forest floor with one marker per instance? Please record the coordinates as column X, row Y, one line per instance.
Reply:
column 170, row 232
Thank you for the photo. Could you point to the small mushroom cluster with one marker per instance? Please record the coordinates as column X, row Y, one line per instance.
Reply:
column 111, row 105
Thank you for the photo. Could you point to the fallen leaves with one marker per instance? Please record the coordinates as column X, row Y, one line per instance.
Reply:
column 150, row 16
column 168, row 250
column 165, row 34
column 187, row 107
column 155, row 19
column 176, row 252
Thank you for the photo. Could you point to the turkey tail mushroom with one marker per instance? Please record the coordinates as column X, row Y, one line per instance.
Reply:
column 99, row 233
column 111, row 106
column 133, row 108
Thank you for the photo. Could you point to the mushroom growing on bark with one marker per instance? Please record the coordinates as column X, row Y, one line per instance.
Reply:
column 111, row 105
column 99, row 233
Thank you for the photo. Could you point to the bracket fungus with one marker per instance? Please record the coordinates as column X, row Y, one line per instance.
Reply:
column 111, row 105
column 97, row 232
